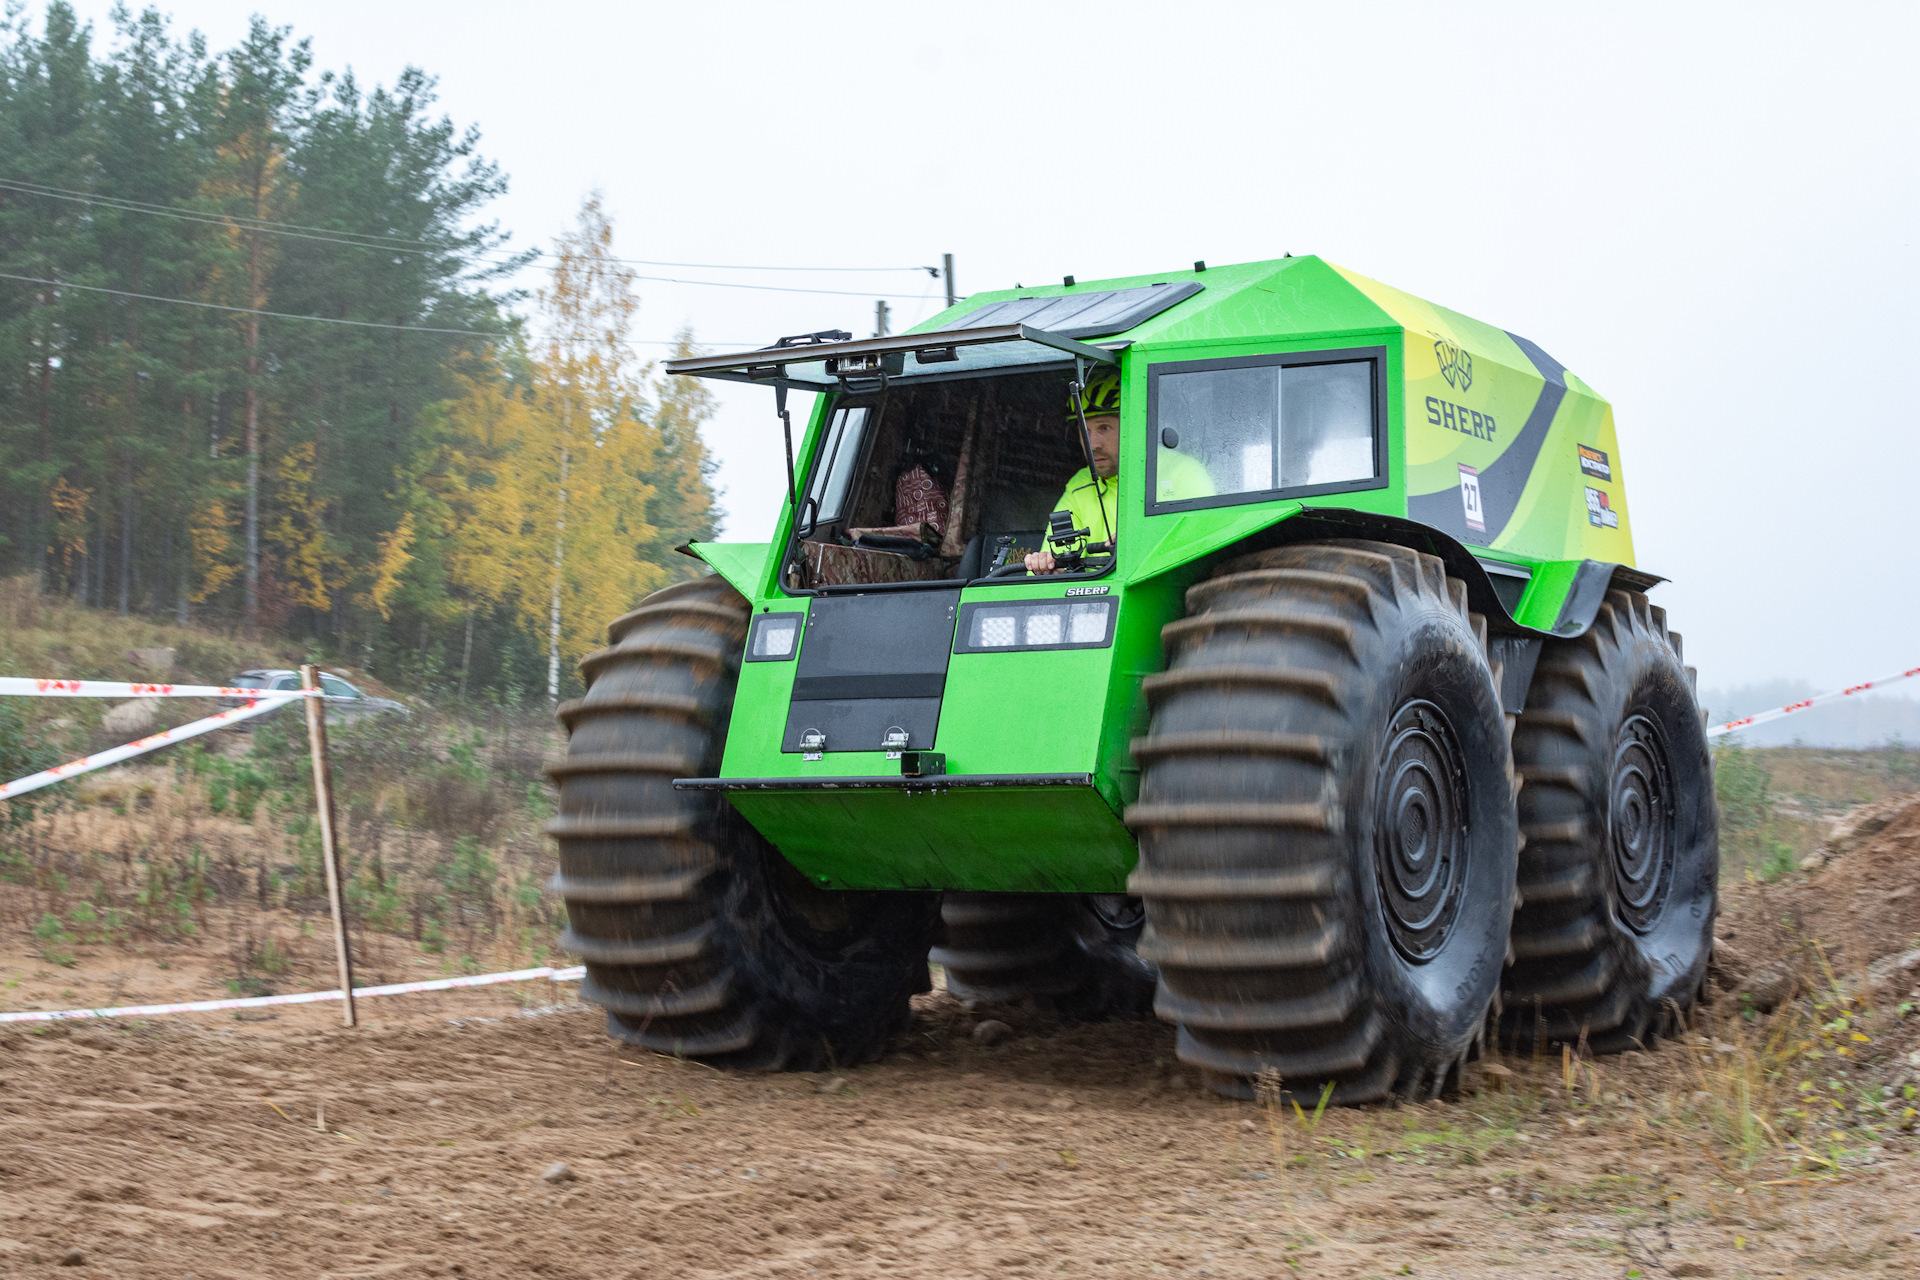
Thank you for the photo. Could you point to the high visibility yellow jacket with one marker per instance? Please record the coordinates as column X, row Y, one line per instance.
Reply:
column 1087, row 498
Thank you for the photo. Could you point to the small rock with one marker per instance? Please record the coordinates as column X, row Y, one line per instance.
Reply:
column 1498, row 1193
column 1721, row 1046
column 833, row 1084
column 1061, row 1104
column 1248, row 1125
column 157, row 661
column 1727, row 965
column 1891, row 973
column 970, row 1005
column 990, row 1032
column 132, row 719
column 1772, row 984
column 73, row 1258
column 559, row 1171
column 1814, row 861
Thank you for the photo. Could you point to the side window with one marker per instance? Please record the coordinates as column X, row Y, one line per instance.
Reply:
column 1261, row 427
column 287, row 682
column 335, row 687
column 833, row 474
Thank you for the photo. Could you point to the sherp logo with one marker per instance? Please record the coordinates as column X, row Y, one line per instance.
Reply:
column 1456, row 366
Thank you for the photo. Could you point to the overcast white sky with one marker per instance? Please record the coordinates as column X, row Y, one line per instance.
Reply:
column 1705, row 210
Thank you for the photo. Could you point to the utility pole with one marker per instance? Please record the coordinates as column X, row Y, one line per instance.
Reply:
column 880, row 311
column 946, row 266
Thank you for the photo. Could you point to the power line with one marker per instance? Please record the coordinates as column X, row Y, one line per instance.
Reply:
column 774, row 288
column 392, row 244
column 242, row 224
column 364, row 324
column 249, row 311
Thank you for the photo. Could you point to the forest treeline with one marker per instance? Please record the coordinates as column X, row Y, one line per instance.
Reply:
column 426, row 483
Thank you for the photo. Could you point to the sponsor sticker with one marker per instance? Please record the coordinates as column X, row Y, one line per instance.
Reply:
column 1599, row 511
column 1088, row 591
column 1470, row 498
column 1593, row 462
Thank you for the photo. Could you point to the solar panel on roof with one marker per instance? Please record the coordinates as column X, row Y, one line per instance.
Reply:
column 1085, row 315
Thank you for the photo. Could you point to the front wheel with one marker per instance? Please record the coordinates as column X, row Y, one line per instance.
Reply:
column 1326, row 822
column 699, row 939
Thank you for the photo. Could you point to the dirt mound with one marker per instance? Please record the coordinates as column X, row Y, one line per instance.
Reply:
column 1864, row 902
column 1838, row 941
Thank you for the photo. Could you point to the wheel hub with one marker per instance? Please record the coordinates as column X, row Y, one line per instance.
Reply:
column 1118, row 911
column 1640, row 823
column 1420, row 830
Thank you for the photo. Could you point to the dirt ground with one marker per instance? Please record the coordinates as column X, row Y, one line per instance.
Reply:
column 175, row 1150
column 277, row 1143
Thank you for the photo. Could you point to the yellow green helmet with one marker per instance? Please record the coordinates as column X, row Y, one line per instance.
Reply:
column 1102, row 394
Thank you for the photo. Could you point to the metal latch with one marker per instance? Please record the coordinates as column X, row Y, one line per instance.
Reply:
column 895, row 742
column 923, row 764
column 813, row 745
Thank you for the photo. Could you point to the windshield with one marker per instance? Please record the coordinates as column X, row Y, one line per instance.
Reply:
column 934, row 482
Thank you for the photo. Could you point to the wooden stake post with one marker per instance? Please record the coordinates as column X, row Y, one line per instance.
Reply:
column 329, row 844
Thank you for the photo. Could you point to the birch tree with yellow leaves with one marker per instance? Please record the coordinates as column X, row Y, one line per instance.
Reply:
column 552, row 493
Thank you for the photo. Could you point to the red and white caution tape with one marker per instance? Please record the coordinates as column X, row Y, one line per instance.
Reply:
column 1763, row 717
column 29, row 687
column 306, row 997
column 152, row 742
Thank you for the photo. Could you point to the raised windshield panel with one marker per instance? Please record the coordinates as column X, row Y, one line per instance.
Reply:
column 1262, row 429
column 839, row 459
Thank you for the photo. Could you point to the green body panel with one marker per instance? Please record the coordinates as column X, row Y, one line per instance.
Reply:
column 1075, row 711
column 1031, row 840
column 742, row 564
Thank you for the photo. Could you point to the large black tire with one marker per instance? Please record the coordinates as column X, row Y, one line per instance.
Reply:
column 699, row 939
column 1619, row 879
column 1327, row 830
column 1073, row 953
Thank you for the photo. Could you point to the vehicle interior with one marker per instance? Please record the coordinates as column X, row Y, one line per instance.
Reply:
column 943, row 481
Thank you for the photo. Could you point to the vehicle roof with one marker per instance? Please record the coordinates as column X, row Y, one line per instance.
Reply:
column 1281, row 299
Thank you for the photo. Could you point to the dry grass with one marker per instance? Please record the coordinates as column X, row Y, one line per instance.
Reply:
column 53, row 636
column 441, row 814
column 208, row 843
column 1756, row 1109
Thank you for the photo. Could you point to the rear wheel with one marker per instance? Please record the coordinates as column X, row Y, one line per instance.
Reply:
column 1619, row 877
column 699, row 939
column 1326, row 822
column 1075, row 953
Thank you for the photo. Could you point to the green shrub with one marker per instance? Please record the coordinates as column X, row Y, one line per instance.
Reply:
column 23, row 751
column 53, row 936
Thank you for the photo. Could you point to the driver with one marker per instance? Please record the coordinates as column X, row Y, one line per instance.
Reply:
column 1092, row 497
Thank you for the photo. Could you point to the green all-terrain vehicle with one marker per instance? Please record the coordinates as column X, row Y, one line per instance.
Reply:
column 1352, row 742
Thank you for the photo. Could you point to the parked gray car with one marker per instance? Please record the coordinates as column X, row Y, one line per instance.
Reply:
column 344, row 702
